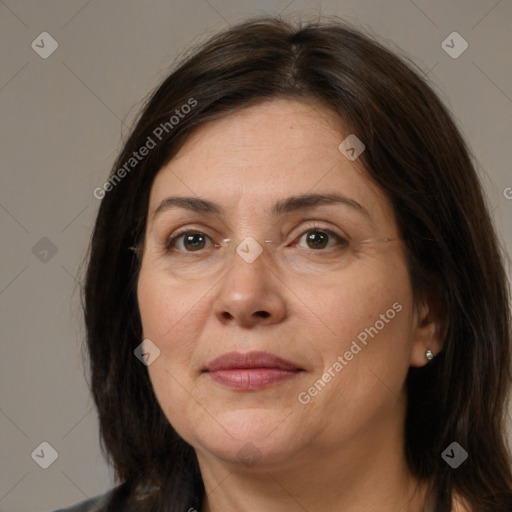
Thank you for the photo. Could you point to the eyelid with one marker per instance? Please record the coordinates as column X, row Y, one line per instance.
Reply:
column 321, row 227
column 171, row 239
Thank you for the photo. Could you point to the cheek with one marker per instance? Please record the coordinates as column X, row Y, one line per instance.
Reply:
column 367, row 320
column 169, row 319
column 166, row 306
column 378, row 348
column 359, row 299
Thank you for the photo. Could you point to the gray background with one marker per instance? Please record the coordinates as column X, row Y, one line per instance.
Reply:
column 63, row 121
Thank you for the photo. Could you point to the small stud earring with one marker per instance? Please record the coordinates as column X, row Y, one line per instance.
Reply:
column 429, row 354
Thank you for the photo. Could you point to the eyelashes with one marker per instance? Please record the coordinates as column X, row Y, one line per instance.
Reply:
column 321, row 237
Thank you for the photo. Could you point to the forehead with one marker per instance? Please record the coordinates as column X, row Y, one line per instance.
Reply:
column 270, row 132
column 264, row 153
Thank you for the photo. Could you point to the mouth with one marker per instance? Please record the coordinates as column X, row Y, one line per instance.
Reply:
column 250, row 371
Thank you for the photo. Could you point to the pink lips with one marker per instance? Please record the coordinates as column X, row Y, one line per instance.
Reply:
column 250, row 371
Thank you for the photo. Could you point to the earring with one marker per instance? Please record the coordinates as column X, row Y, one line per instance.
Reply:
column 429, row 354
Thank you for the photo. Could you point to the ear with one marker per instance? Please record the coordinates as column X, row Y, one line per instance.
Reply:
column 429, row 329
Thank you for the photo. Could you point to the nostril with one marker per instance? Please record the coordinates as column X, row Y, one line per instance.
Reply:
column 264, row 314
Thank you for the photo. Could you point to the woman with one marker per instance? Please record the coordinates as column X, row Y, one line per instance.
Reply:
column 295, row 298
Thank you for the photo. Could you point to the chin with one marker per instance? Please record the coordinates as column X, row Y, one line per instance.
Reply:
column 249, row 436
column 254, row 424
column 259, row 455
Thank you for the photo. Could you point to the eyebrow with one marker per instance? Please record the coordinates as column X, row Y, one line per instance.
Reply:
column 279, row 208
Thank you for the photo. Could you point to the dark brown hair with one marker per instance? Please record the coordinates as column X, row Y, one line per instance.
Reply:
column 417, row 157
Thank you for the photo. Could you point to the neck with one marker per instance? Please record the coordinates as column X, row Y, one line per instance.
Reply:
column 367, row 473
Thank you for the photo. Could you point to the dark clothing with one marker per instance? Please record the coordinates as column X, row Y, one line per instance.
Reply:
column 117, row 499
column 97, row 504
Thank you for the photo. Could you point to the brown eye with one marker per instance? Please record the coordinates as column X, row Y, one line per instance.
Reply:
column 319, row 238
column 189, row 241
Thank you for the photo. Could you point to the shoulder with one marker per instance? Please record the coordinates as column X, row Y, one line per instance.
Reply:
column 98, row 503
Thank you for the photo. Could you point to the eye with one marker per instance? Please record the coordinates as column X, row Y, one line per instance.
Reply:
column 191, row 241
column 318, row 238
column 187, row 241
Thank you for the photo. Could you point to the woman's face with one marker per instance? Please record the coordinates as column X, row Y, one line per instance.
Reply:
column 336, row 322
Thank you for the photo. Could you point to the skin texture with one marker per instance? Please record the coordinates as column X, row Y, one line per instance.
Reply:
column 343, row 449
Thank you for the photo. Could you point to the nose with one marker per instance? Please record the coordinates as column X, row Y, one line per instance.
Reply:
column 250, row 292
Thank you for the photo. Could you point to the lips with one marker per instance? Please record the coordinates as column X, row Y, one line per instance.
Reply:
column 250, row 371
column 237, row 360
